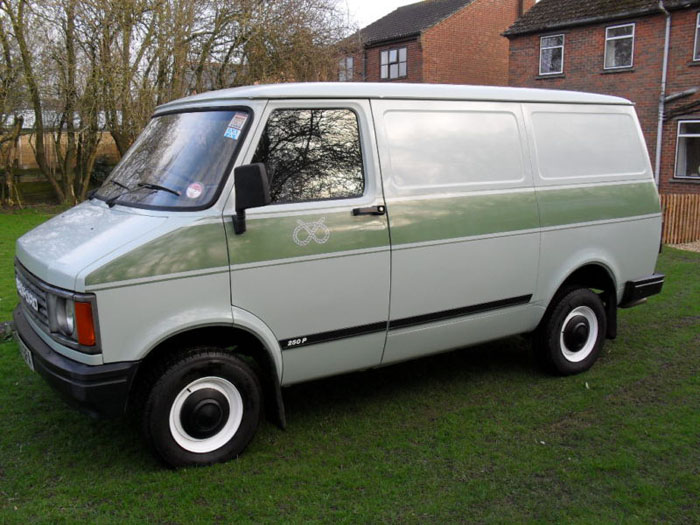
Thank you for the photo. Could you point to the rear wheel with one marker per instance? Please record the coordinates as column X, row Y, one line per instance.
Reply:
column 572, row 332
column 204, row 408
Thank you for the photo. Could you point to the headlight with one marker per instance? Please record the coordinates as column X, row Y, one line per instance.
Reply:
column 72, row 321
column 65, row 316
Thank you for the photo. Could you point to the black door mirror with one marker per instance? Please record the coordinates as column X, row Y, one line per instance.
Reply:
column 252, row 191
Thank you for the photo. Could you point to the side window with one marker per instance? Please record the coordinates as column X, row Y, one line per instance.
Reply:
column 346, row 69
column 551, row 54
column 312, row 154
column 393, row 63
column 688, row 149
column 619, row 46
column 696, row 48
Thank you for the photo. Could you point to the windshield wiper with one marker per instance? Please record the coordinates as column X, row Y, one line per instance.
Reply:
column 94, row 192
column 119, row 184
column 150, row 186
column 112, row 200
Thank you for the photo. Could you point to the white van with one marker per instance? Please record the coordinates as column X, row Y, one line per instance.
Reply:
column 257, row 237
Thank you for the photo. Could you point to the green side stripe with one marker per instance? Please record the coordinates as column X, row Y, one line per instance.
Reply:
column 193, row 248
column 595, row 203
column 200, row 247
column 317, row 234
column 436, row 219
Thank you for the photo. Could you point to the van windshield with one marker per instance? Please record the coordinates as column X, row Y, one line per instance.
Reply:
column 179, row 161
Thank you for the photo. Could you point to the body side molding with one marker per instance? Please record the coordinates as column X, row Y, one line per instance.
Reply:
column 323, row 337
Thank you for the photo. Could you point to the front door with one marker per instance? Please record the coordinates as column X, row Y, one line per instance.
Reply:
column 314, row 264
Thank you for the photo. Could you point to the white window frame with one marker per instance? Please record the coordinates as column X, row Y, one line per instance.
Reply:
column 387, row 53
column 563, row 41
column 696, row 51
column 345, row 73
column 679, row 136
column 607, row 39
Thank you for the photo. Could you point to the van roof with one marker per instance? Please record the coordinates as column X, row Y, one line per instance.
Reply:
column 385, row 90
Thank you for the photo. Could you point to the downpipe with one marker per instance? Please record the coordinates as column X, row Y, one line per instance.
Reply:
column 662, row 95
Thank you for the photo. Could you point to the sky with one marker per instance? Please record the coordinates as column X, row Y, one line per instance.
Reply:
column 364, row 12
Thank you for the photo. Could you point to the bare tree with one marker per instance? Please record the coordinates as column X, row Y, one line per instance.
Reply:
column 77, row 135
column 16, row 12
column 94, row 65
column 10, row 128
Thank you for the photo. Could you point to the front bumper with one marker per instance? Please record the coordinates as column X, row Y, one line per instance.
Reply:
column 638, row 290
column 101, row 390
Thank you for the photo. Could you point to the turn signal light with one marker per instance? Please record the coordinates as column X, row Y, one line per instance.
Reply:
column 85, row 324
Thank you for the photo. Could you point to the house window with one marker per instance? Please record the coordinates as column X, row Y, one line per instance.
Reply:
column 393, row 63
column 688, row 150
column 346, row 69
column 696, row 51
column 619, row 46
column 551, row 54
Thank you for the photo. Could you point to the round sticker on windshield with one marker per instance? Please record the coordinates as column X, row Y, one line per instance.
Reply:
column 194, row 190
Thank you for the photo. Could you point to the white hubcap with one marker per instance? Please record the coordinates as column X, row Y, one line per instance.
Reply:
column 229, row 427
column 578, row 355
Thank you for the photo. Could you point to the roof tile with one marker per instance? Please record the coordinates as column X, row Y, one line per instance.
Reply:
column 410, row 20
column 551, row 14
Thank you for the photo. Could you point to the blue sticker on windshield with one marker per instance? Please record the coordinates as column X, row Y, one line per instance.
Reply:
column 232, row 133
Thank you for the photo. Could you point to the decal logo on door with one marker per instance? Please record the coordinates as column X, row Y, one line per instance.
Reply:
column 305, row 232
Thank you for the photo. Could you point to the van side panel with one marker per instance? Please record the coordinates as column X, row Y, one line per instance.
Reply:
column 595, row 190
column 463, row 220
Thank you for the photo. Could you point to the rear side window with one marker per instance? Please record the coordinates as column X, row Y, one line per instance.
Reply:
column 312, row 154
column 579, row 145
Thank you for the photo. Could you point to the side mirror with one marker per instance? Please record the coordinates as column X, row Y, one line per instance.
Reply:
column 252, row 191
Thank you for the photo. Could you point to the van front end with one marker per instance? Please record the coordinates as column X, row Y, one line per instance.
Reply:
column 57, row 320
column 51, row 323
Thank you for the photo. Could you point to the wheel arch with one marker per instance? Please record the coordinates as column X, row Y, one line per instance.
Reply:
column 234, row 339
column 595, row 275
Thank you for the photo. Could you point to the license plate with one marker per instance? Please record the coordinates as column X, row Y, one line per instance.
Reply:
column 26, row 354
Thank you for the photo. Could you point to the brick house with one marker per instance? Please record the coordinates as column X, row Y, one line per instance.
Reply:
column 438, row 41
column 617, row 47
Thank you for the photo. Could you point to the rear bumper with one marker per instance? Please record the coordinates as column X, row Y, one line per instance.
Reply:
column 638, row 290
column 101, row 390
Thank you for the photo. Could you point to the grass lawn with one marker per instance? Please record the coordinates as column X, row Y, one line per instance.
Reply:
column 476, row 435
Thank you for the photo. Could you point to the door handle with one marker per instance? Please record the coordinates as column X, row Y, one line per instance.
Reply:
column 369, row 210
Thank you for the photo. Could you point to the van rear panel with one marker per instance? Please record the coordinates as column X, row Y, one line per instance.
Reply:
column 595, row 190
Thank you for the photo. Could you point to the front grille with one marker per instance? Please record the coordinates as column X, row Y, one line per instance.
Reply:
column 37, row 288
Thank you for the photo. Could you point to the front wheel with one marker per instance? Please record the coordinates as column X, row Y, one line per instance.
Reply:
column 572, row 332
column 204, row 408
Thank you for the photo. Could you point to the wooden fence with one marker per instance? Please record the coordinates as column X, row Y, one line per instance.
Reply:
column 23, row 152
column 681, row 217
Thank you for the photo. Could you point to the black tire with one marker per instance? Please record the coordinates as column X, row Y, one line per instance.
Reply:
column 572, row 332
column 203, row 408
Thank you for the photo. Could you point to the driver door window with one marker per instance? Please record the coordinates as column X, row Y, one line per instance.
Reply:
column 312, row 154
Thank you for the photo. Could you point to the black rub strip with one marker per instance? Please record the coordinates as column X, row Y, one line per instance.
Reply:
column 344, row 333
column 333, row 335
column 458, row 312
